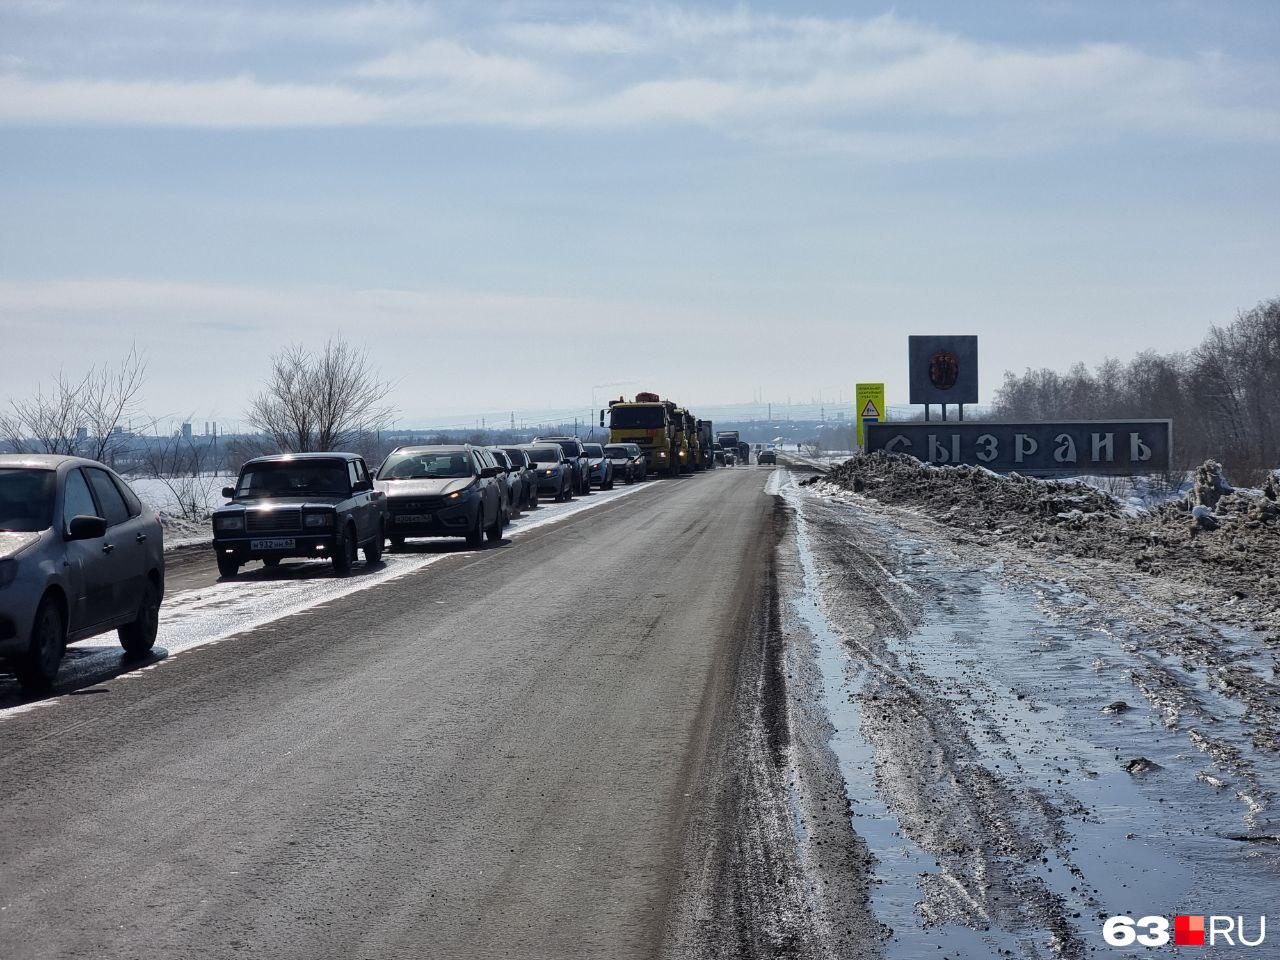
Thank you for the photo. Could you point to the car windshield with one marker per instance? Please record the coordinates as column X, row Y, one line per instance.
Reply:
column 617, row 453
column 432, row 465
column 26, row 499
column 297, row 478
column 546, row 454
column 593, row 449
column 637, row 418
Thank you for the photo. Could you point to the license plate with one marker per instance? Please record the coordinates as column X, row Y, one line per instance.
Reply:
column 278, row 543
column 418, row 518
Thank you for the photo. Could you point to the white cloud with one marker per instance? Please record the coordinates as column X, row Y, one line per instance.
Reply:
column 867, row 86
column 452, row 63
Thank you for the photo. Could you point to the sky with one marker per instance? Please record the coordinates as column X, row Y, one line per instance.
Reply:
column 532, row 204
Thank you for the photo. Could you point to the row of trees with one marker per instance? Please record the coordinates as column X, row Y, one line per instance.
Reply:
column 1223, row 396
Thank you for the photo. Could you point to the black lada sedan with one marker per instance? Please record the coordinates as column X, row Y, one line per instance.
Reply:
column 318, row 505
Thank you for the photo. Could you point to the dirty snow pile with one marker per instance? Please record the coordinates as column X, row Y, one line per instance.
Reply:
column 1215, row 536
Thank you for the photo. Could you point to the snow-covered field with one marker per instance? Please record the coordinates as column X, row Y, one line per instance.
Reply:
column 166, row 498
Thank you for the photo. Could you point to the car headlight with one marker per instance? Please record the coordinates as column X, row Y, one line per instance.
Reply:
column 228, row 523
column 456, row 495
column 314, row 520
column 662, row 454
column 8, row 571
column 549, row 473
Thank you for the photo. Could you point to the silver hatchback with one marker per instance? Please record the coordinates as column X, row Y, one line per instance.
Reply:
column 79, row 555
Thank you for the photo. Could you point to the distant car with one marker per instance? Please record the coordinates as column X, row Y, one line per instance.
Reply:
column 730, row 456
column 744, row 453
column 599, row 467
column 718, row 455
column 629, row 461
column 528, row 475
column 79, row 555
column 511, row 477
column 443, row 491
column 767, row 456
column 554, row 469
column 315, row 505
column 572, row 447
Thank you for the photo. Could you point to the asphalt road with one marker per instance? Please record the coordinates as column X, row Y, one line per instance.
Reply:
column 498, row 755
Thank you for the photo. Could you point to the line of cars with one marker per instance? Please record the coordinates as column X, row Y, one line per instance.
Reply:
column 330, row 506
column 80, row 555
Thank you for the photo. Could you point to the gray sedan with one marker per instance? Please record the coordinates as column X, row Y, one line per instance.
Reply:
column 78, row 556
column 554, row 468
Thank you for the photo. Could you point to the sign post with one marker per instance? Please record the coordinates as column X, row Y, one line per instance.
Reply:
column 869, row 398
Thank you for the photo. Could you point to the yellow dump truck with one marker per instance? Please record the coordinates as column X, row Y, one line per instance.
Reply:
column 650, row 423
column 686, row 438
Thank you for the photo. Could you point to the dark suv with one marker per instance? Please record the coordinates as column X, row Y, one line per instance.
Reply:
column 577, row 455
column 443, row 491
column 300, row 505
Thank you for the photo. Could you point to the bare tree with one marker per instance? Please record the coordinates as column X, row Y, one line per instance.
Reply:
column 183, row 467
column 321, row 401
column 108, row 398
column 53, row 420
column 47, row 422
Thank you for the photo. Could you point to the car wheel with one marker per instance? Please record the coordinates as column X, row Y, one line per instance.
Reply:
column 397, row 543
column 228, row 566
column 494, row 533
column 139, row 637
column 271, row 562
column 476, row 537
column 37, row 668
column 568, row 490
column 344, row 554
column 373, row 549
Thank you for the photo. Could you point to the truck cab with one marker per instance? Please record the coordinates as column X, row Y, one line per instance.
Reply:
column 648, row 423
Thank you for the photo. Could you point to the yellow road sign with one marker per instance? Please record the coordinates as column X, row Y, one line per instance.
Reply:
column 870, row 407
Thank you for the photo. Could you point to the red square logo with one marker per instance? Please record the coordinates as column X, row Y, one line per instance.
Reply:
column 1188, row 931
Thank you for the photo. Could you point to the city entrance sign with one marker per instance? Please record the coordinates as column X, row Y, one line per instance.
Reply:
column 1040, row 448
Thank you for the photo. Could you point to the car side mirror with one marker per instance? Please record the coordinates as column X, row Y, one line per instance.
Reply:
column 229, row 492
column 360, row 486
column 84, row 527
column 490, row 472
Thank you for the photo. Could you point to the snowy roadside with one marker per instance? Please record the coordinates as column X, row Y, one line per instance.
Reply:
column 1030, row 743
column 1218, row 547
